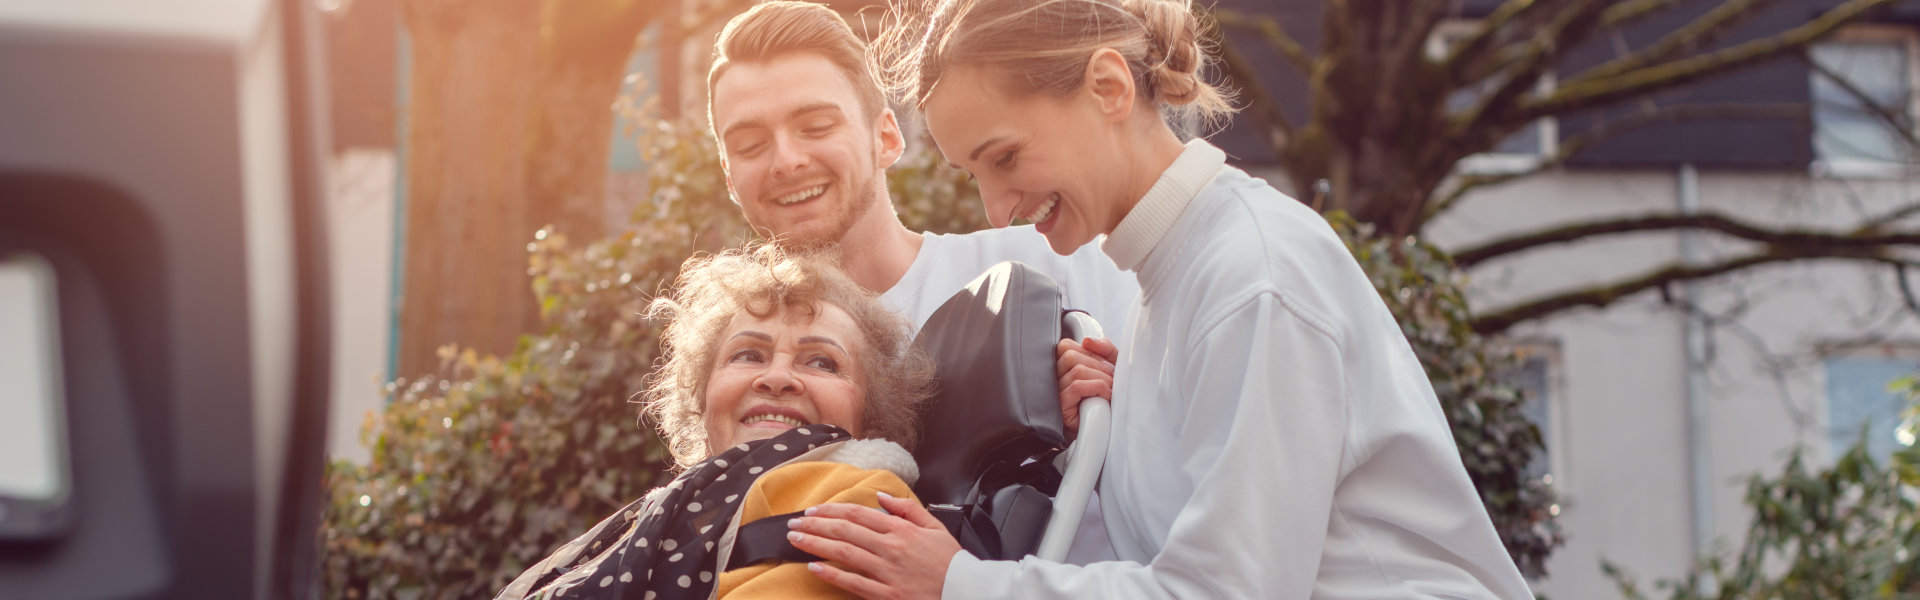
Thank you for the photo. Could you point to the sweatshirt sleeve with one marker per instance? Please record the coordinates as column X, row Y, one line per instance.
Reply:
column 1263, row 441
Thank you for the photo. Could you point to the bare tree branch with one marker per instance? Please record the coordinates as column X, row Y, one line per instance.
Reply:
column 1275, row 127
column 1270, row 31
column 1896, row 119
column 1406, row 53
column 1471, row 55
column 1693, row 35
column 1906, row 288
column 1492, row 113
column 1596, row 92
column 1784, row 238
column 1879, row 224
column 1866, row 242
column 1603, row 295
column 1603, row 130
column 1626, row 12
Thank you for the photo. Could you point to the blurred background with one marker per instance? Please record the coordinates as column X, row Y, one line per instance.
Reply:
column 1655, row 255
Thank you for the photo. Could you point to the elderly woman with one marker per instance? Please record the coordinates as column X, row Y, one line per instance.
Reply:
column 785, row 386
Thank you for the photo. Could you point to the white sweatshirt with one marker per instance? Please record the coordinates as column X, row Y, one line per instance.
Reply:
column 1274, row 435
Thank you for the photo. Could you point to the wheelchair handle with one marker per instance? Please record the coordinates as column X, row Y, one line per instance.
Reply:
column 1077, row 325
column 1083, row 460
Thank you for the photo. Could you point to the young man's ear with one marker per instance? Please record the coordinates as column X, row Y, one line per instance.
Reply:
column 1109, row 83
column 892, row 143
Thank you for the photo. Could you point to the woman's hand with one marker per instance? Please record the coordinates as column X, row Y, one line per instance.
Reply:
column 1085, row 371
column 903, row 556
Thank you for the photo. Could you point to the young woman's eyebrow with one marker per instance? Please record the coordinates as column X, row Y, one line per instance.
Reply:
column 976, row 151
column 975, row 155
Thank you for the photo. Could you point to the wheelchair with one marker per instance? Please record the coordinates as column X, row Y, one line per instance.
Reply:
column 995, row 464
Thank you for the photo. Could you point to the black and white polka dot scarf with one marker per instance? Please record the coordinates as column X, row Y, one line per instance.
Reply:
column 666, row 545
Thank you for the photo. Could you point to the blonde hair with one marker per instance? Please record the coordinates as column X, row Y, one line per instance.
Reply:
column 1043, row 47
column 764, row 280
column 773, row 29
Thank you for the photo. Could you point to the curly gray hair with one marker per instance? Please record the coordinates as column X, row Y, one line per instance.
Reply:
column 763, row 280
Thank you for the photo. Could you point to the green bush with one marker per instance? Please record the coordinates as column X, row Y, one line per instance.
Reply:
column 485, row 466
column 1849, row 530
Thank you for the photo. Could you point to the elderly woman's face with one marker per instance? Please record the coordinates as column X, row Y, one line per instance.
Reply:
column 773, row 374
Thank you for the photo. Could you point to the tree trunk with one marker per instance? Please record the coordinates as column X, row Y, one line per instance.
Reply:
column 467, row 223
column 510, row 123
column 583, row 59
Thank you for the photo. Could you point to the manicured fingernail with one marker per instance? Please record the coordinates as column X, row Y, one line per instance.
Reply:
column 813, row 566
column 810, row 510
column 886, row 496
column 794, row 536
column 793, row 523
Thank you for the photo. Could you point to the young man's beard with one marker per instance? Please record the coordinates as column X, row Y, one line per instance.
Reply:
column 843, row 222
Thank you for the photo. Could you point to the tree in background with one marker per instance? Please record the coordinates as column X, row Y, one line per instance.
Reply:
column 1385, row 135
column 507, row 121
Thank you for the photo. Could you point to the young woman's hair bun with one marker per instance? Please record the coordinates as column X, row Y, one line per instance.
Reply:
column 1173, row 56
column 1043, row 45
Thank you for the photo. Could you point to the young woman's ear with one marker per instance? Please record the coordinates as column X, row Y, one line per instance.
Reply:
column 1110, row 84
column 892, row 143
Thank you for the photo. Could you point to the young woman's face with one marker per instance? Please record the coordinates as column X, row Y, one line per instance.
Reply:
column 1036, row 157
column 775, row 373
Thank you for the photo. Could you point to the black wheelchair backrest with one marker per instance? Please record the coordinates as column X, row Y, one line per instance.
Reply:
column 987, row 434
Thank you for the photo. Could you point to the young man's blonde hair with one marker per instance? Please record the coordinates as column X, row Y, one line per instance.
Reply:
column 774, row 29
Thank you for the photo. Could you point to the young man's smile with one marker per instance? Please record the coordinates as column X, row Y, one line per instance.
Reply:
column 803, row 157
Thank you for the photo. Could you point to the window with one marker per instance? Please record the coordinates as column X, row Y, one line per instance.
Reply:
column 1863, row 102
column 1523, row 150
column 1858, row 400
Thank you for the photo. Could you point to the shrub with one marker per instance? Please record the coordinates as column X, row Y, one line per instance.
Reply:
column 1848, row 530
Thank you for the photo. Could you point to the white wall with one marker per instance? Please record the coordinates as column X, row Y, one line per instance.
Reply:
column 361, row 212
column 1619, row 436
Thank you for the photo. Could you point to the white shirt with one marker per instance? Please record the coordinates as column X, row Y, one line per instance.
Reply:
column 1274, row 435
column 1088, row 281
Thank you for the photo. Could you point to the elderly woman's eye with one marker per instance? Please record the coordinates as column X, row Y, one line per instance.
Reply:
column 824, row 363
column 746, row 355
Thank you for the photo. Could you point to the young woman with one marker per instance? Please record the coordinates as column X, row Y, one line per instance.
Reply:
column 1274, row 435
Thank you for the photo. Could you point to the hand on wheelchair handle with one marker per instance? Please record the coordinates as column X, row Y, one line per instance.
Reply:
column 1085, row 371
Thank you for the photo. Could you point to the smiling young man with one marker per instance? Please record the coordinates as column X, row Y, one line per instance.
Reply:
column 806, row 137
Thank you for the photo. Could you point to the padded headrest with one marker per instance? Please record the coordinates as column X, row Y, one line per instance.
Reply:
column 998, row 397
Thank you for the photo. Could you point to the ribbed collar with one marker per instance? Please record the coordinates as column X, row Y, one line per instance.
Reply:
column 1142, row 228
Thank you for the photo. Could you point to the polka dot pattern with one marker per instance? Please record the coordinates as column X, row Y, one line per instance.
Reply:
column 670, row 536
